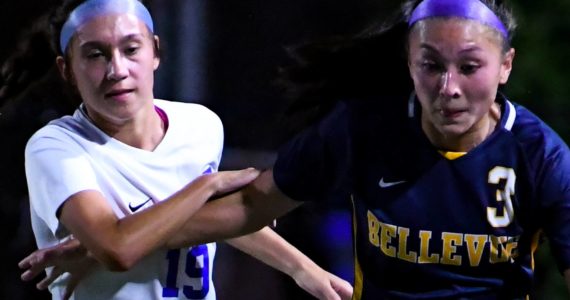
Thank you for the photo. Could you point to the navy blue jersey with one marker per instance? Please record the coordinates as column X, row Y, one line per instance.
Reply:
column 428, row 227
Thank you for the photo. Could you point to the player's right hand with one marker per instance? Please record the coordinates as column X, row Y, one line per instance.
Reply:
column 67, row 257
column 229, row 181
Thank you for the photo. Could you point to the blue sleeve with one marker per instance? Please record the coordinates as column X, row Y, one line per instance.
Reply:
column 554, row 194
column 314, row 165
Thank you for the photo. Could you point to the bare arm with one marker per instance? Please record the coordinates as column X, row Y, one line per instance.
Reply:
column 237, row 214
column 119, row 243
column 270, row 248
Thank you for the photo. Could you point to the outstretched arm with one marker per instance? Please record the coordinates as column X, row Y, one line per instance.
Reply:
column 270, row 248
column 119, row 243
column 265, row 245
column 237, row 214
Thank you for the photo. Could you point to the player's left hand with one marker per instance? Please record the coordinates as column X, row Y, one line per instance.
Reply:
column 67, row 257
column 322, row 284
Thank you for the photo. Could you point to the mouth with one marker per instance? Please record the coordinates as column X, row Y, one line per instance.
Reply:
column 118, row 93
column 450, row 113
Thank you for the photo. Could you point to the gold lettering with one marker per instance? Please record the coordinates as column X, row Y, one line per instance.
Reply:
column 450, row 243
column 425, row 257
column 503, row 248
column 403, row 234
column 373, row 228
column 475, row 246
column 387, row 233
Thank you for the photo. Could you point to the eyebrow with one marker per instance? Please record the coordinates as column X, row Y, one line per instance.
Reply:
column 125, row 39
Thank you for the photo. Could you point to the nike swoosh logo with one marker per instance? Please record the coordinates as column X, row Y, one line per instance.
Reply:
column 137, row 207
column 385, row 184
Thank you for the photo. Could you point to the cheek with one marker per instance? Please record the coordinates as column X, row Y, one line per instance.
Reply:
column 426, row 86
column 481, row 89
column 86, row 79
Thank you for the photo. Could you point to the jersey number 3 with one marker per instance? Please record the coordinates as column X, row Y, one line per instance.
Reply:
column 504, row 195
column 197, row 269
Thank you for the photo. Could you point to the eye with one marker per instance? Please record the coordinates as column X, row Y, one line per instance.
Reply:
column 132, row 50
column 470, row 68
column 94, row 54
column 431, row 66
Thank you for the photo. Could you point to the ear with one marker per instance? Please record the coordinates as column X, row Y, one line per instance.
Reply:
column 507, row 66
column 156, row 52
column 62, row 67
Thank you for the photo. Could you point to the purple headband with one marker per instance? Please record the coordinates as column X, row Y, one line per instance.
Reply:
column 467, row 9
column 93, row 8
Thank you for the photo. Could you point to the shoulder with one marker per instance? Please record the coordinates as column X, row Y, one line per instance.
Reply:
column 67, row 130
column 189, row 115
column 186, row 109
column 531, row 131
column 544, row 151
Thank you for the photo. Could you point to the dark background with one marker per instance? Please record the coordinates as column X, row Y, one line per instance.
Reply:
column 224, row 54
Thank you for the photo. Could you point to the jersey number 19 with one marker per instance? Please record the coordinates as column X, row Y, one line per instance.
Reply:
column 197, row 268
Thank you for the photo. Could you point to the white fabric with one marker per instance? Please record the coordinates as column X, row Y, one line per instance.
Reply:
column 70, row 155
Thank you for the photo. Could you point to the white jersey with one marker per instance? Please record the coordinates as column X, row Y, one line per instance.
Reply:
column 71, row 154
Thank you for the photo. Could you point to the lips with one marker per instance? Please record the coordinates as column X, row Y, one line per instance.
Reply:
column 118, row 92
column 451, row 113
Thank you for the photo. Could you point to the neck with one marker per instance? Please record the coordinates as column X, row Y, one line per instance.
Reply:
column 144, row 131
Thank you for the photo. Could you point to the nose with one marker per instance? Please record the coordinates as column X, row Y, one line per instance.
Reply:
column 117, row 68
column 449, row 86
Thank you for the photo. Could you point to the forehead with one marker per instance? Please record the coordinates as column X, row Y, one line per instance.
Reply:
column 111, row 28
column 453, row 32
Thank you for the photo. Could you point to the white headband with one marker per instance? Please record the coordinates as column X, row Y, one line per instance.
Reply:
column 94, row 8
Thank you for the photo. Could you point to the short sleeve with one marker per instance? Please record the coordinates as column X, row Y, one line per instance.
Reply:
column 56, row 168
column 314, row 165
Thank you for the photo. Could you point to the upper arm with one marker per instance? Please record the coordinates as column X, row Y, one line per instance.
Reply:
column 267, row 200
column 90, row 218
column 314, row 165
column 55, row 170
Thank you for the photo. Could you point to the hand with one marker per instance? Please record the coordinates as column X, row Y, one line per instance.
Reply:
column 67, row 257
column 322, row 284
column 229, row 181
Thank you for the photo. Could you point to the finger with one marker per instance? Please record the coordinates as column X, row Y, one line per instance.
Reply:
column 69, row 249
column 232, row 180
column 35, row 265
column 27, row 261
column 54, row 274
column 342, row 287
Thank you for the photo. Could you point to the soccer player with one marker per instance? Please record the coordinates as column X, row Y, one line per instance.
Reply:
column 125, row 173
column 450, row 181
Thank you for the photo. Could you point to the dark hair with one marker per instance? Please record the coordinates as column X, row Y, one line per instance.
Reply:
column 34, row 57
column 31, row 59
column 369, row 65
column 57, row 19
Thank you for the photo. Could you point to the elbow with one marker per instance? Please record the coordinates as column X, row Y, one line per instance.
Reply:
column 117, row 260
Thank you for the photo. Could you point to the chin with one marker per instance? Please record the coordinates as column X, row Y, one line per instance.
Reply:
column 453, row 130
